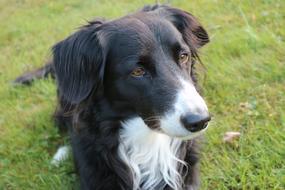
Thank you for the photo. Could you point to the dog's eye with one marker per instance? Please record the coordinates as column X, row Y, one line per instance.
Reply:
column 138, row 72
column 183, row 58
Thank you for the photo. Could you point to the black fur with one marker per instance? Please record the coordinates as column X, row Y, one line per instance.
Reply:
column 96, row 92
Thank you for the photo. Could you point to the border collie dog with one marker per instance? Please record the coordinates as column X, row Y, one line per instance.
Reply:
column 128, row 98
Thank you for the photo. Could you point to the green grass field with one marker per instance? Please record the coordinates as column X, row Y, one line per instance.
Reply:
column 244, row 87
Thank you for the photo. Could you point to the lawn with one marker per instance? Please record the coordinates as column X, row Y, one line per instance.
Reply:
column 244, row 86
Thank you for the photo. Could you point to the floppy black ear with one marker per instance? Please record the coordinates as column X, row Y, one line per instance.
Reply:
column 192, row 31
column 79, row 64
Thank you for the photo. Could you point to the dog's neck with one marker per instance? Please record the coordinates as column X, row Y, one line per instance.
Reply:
column 152, row 157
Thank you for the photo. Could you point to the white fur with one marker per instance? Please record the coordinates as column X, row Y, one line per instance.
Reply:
column 60, row 155
column 188, row 100
column 152, row 156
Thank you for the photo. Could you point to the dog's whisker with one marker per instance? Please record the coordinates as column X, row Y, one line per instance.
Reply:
column 151, row 119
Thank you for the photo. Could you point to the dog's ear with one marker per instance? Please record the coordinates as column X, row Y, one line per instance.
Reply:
column 192, row 31
column 79, row 64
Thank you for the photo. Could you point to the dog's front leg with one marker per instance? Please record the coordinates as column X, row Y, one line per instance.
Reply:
column 191, row 180
column 97, row 162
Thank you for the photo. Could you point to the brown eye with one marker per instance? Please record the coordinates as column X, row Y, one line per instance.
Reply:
column 183, row 58
column 138, row 72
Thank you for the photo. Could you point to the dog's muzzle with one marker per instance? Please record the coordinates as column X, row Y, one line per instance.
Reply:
column 189, row 116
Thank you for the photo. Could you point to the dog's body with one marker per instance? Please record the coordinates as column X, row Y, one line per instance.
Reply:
column 127, row 96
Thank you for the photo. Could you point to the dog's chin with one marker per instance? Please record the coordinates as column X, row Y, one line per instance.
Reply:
column 189, row 135
column 192, row 135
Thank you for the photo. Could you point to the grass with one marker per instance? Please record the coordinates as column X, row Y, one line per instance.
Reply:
column 244, row 87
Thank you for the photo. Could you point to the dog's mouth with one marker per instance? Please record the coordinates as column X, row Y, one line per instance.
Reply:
column 194, row 134
column 153, row 123
column 193, row 131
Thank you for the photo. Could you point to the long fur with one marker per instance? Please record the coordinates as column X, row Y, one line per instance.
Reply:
column 152, row 156
column 128, row 132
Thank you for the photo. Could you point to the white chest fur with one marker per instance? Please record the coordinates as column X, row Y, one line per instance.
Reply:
column 151, row 156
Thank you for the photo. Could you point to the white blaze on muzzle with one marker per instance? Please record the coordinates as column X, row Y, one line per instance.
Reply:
column 188, row 101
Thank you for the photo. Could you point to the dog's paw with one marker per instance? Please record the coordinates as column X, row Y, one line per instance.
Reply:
column 61, row 155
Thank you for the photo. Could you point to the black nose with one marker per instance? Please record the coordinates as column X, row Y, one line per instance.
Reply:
column 195, row 123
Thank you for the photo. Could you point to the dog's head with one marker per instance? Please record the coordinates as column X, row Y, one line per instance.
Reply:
column 142, row 64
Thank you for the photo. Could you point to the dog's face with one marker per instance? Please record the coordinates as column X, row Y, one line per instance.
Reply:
column 141, row 64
